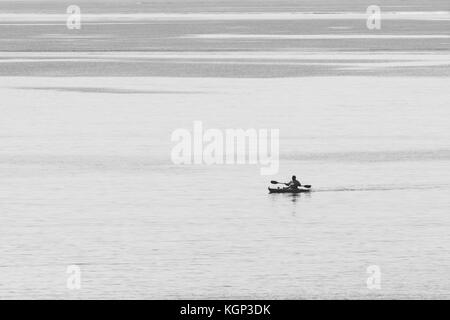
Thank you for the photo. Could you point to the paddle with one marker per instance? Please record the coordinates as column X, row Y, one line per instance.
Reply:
column 276, row 182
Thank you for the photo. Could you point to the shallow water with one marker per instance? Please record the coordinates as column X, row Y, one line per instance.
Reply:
column 129, row 38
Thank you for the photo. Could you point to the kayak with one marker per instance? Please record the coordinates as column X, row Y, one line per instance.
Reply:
column 285, row 190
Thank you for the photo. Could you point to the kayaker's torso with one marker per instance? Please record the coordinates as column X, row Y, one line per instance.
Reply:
column 294, row 184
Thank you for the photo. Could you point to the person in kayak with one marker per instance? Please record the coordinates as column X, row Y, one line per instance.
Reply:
column 294, row 183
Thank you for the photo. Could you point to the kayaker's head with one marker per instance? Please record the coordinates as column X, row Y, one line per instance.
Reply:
column 294, row 178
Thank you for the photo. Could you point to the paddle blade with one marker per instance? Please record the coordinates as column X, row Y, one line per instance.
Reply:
column 307, row 186
column 274, row 182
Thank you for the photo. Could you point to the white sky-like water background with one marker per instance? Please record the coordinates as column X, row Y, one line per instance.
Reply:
column 85, row 169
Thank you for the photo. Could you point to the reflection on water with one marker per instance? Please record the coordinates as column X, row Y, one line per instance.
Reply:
column 295, row 199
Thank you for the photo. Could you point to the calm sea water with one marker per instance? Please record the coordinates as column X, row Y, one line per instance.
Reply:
column 87, row 180
column 86, row 177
